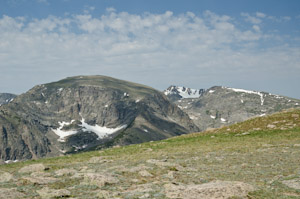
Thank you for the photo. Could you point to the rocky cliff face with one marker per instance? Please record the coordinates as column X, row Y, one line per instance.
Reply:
column 180, row 92
column 86, row 112
column 5, row 98
column 219, row 106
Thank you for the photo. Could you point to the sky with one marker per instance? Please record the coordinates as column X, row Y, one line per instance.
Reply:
column 249, row 44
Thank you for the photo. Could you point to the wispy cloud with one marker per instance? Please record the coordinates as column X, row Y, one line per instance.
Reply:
column 155, row 49
column 258, row 17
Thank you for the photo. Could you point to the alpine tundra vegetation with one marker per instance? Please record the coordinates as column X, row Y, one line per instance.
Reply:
column 257, row 158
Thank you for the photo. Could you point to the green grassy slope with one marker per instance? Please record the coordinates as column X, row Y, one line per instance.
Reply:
column 263, row 152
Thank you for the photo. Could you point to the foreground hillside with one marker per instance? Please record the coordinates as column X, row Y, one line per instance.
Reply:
column 258, row 158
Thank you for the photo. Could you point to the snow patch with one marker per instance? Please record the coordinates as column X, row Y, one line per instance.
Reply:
column 211, row 91
column 184, row 92
column 250, row 92
column 62, row 151
column 138, row 100
column 192, row 117
column 101, row 131
column 213, row 117
column 146, row 130
column 223, row 120
column 60, row 89
column 278, row 97
column 296, row 104
column 10, row 161
column 242, row 101
column 261, row 115
column 79, row 147
column 62, row 134
column 126, row 95
column 106, row 105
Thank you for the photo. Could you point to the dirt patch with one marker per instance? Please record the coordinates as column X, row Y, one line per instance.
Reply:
column 53, row 193
column 5, row 177
column 212, row 190
column 10, row 193
column 99, row 179
column 294, row 183
column 32, row 168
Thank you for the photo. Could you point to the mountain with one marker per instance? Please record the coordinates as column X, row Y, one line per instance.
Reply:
column 5, row 98
column 86, row 112
column 258, row 158
column 177, row 92
column 219, row 106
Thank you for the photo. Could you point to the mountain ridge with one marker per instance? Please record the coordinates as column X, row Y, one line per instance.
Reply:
column 86, row 112
column 219, row 105
column 5, row 98
column 92, row 112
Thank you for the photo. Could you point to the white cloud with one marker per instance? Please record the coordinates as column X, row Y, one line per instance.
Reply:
column 256, row 28
column 88, row 9
column 111, row 9
column 260, row 14
column 279, row 19
column 154, row 49
column 286, row 18
column 251, row 19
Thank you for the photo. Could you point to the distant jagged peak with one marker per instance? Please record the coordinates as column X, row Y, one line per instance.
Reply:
column 184, row 92
column 5, row 98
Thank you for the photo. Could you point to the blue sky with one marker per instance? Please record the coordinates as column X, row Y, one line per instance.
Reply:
column 246, row 44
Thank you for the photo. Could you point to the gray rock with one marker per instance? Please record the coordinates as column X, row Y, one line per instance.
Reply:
column 47, row 193
column 99, row 179
column 211, row 190
column 5, row 177
column 32, row 168
column 62, row 172
column 103, row 194
column 10, row 193
column 145, row 173
column 294, row 183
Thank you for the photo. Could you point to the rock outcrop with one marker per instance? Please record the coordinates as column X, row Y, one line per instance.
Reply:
column 5, row 98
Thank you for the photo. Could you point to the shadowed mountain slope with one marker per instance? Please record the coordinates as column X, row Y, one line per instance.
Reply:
column 86, row 112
